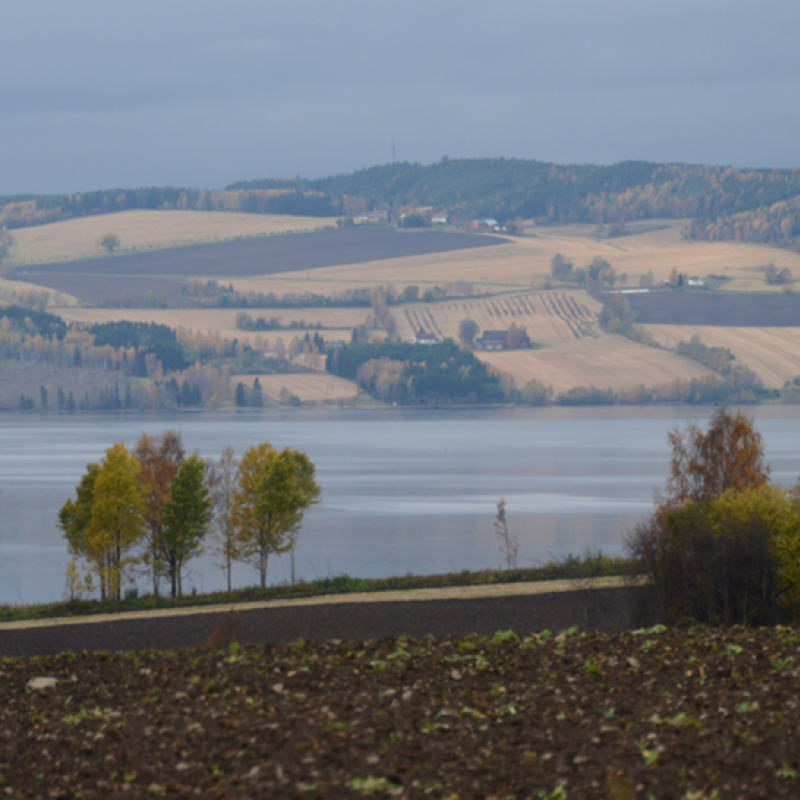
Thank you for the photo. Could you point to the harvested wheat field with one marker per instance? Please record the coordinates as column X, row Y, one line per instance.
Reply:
column 143, row 229
column 525, row 261
column 10, row 292
column 772, row 353
column 547, row 316
column 309, row 387
column 336, row 322
column 608, row 362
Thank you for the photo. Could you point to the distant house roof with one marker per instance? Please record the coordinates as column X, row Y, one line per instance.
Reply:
column 426, row 338
column 484, row 223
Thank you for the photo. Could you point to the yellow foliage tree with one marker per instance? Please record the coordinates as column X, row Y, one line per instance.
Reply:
column 107, row 519
column 274, row 490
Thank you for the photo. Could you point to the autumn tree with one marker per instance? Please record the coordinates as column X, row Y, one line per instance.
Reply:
column 515, row 336
column 411, row 294
column 710, row 547
column 160, row 460
column 109, row 242
column 467, row 331
column 274, row 490
column 75, row 515
column 106, row 519
column 186, row 517
column 223, row 488
column 560, row 268
column 729, row 456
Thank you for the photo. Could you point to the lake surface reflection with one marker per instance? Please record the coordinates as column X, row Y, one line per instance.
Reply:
column 403, row 491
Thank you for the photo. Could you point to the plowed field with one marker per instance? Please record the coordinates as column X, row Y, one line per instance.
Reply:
column 660, row 714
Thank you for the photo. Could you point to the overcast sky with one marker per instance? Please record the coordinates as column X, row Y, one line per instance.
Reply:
column 99, row 94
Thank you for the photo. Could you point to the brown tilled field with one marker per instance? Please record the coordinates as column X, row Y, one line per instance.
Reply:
column 606, row 362
column 100, row 279
column 723, row 309
column 526, row 261
column 142, row 229
column 660, row 714
column 772, row 353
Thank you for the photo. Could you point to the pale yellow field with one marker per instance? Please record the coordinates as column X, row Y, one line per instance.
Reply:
column 550, row 316
column 606, row 362
column 317, row 388
column 15, row 291
column 526, row 261
column 142, row 229
column 772, row 353
column 339, row 322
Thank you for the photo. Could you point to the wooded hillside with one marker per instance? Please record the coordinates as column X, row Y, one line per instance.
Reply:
column 723, row 203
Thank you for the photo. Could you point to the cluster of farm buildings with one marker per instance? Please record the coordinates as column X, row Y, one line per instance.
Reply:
column 432, row 216
column 490, row 340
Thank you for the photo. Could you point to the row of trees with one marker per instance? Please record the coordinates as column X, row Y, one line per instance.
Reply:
column 150, row 511
column 215, row 295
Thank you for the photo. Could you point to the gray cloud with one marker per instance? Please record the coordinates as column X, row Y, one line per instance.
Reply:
column 201, row 93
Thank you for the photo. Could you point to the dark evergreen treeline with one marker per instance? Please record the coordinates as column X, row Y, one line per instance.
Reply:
column 146, row 337
column 46, row 324
column 410, row 373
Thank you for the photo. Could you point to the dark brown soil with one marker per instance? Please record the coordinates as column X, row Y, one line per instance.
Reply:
column 717, row 308
column 601, row 609
column 659, row 714
column 136, row 273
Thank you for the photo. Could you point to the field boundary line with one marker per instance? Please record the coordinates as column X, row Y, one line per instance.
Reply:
column 474, row 592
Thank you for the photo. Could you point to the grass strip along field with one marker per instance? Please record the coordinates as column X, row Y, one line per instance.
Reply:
column 684, row 713
column 569, row 568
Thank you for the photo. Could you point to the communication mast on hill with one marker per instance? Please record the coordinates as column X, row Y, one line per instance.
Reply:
column 393, row 158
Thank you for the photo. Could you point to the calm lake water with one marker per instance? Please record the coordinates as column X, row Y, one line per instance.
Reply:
column 403, row 491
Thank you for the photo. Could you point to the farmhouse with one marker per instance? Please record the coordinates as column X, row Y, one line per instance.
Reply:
column 372, row 216
column 439, row 219
column 426, row 338
column 484, row 224
column 694, row 281
column 499, row 340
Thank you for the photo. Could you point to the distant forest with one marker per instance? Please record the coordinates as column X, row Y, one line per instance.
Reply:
column 722, row 202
